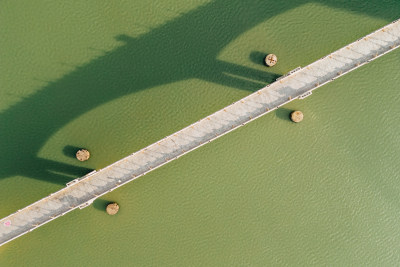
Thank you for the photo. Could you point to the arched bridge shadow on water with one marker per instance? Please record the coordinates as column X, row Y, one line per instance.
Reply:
column 190, row 46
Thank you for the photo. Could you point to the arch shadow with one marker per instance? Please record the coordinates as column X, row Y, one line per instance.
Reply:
column 190, row 46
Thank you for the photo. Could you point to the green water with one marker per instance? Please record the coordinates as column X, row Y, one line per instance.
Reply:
column 115, row 77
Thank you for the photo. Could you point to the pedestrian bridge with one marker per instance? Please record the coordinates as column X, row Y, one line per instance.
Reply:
column 297, row 84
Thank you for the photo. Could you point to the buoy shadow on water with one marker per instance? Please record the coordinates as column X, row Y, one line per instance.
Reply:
column 283, row 113
column 100, row 204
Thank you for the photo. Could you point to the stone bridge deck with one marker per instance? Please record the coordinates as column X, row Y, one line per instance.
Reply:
column 83, row 191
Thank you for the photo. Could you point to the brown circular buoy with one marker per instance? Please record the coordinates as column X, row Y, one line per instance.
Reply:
column 270, row 60
column 296, row 116
column 112, row 208
column 82, row 154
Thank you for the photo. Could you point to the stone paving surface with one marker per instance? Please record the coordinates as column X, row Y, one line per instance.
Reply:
column 299, row 84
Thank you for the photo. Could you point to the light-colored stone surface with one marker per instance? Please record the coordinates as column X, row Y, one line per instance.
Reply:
column 82, row 154
column 296, row 116
column 81, row 192
column 270, row 60
column 112, row 208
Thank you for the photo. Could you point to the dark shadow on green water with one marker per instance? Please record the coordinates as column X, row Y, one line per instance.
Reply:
column 100, row 204
column 183, row 48
column 70, row 151
column 283, row 113
column 258, row 57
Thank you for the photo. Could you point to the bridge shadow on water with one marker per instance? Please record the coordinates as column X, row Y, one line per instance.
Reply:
column 181, row 49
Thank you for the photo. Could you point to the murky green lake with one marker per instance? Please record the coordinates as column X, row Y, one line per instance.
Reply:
column 114, row 77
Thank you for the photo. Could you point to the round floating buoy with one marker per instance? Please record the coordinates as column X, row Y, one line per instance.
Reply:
column 82, row 154
column 112, row 208
column 270, row 60
column 296, row 116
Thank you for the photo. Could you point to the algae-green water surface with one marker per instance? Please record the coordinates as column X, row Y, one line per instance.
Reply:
column 114, row 77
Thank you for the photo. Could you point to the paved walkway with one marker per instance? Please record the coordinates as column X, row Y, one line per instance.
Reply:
column 299, row 84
